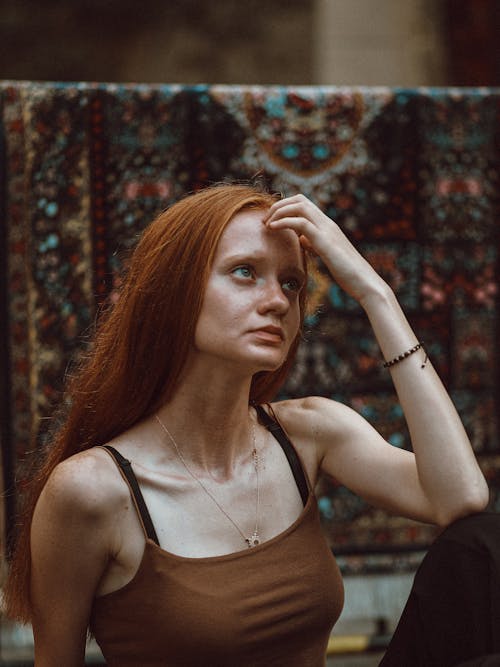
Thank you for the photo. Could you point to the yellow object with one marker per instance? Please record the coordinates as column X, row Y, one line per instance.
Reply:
column 348, row 644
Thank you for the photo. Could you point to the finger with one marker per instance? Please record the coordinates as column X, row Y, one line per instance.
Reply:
column 290, row 210
column 286, row 201
column 297, row 224
column 307, row 245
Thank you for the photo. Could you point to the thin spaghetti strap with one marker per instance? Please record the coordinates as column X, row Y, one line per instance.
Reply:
column 125, row 468
column 275, row 428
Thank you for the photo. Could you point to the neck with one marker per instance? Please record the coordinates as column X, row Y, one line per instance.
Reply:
column 211, row 423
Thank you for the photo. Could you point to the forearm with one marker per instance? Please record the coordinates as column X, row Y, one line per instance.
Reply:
column 447, row 468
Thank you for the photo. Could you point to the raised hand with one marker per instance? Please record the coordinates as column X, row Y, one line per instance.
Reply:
column 321, row 235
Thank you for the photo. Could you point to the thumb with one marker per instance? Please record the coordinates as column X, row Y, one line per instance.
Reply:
column 306, row 244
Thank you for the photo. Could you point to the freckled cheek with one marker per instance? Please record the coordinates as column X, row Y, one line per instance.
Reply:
column 222, row 310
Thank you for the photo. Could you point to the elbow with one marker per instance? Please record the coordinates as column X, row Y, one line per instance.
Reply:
column 476, row 501
column 478, row 498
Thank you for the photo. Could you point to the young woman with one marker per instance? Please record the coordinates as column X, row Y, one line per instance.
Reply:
column 195, row 539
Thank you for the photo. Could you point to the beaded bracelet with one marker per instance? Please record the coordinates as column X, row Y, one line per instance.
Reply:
column 402, row 356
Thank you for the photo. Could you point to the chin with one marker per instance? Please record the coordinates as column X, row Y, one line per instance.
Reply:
column 270, row 364
column 254, row 360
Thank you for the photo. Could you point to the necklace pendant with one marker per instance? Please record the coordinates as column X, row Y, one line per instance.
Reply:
column 254, row 540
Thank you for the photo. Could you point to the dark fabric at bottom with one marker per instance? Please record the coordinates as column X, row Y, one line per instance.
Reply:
column 485, row 661
column 452, row 617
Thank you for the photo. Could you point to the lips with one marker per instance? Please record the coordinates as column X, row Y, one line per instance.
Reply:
column 270, row 333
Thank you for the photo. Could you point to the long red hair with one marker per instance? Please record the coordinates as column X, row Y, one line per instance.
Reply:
column 140, row 346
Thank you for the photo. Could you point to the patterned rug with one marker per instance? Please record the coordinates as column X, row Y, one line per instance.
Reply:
column 410, row 175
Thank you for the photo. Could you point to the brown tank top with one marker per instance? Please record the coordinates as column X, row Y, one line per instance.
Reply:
column 272, row 605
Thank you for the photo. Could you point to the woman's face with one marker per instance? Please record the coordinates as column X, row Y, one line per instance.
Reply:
column 250, row 313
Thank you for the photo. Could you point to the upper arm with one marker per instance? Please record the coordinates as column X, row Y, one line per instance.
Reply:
column 71, row 542
column 349, row 449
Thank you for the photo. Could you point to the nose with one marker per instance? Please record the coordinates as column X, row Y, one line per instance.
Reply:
column 273, row 299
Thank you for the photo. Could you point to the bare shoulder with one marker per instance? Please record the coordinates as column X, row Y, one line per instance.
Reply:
column 314, row 416
column 314, row 423
column 75, row 539
column 87, row 485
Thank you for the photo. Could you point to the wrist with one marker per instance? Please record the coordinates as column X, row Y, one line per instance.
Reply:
column 379, row 294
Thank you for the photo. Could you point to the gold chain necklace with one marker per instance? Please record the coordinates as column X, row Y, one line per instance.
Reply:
column 254, row 539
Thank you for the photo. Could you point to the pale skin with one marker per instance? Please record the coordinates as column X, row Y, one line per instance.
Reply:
column 86, row 538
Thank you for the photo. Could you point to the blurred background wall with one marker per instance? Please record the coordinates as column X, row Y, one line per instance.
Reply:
column 372, row 42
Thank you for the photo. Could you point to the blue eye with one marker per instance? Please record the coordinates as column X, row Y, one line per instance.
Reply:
column 243, row 271
column 292, row 285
